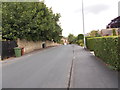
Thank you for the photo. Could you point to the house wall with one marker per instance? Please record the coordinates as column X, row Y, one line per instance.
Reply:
column 108, row 32
column 65, row 41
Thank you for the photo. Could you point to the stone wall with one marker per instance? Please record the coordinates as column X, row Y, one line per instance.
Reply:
column 30, row 46
column 50, row 43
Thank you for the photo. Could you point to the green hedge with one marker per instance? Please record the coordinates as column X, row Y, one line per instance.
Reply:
column 107, row 48
column 90, row 43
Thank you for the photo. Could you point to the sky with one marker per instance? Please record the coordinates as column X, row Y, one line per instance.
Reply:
column 97, row 14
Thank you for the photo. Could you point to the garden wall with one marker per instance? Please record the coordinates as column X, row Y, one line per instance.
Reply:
column 30, row 46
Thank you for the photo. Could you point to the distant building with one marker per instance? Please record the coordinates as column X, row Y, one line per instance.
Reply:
column 115, row 23
column 109, row 32
column 87, row 34
column 65, row 41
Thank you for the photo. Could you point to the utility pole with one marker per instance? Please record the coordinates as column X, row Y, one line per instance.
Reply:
column 83, row 24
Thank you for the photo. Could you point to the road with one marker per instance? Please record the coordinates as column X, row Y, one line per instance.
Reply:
column 65, row 66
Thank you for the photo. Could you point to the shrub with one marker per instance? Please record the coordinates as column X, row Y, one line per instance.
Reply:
column 80, row 42
column 107, row 49
column 114, row 32
column 90, row 43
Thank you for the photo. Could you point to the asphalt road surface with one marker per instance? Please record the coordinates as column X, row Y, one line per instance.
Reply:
column 91, row 72
column 65, row 66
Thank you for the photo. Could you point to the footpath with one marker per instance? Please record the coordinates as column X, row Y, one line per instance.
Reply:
column 91, row 72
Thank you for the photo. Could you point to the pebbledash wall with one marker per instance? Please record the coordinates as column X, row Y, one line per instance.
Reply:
column 30, row 46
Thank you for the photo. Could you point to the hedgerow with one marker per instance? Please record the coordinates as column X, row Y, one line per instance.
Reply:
column 90, row 43
column 107, row 48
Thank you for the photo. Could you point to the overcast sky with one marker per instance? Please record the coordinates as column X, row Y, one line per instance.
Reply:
column 98, row 13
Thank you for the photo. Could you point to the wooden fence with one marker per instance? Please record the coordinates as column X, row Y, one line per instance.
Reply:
column 7, row 49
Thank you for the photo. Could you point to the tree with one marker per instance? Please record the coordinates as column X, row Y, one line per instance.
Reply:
column 80, row 37
column 29, row 20
column 76, row 40
column 94, row 33
column 71, row 39
column 114, row 32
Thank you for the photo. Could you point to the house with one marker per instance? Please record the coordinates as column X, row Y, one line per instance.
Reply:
column 109, row 32
column 65, row 41
column 115, row 23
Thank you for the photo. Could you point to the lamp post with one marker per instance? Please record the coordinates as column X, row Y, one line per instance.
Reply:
column 83, row 24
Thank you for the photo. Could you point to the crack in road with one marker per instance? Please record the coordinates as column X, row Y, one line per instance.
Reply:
column 71, row 70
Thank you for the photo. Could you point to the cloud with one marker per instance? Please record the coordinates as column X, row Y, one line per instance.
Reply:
column 119, row 8
column 96, row 9
column 98, row 13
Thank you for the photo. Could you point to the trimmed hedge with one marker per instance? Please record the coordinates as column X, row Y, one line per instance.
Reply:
column 107, row 48
column 90, row 43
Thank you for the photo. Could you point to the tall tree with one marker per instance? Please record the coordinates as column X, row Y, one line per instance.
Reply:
column 29, row 20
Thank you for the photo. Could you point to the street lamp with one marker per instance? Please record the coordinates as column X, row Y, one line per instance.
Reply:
column 83, row 24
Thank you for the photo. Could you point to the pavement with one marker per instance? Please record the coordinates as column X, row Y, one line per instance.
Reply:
column 91, row 72
column 65, row 66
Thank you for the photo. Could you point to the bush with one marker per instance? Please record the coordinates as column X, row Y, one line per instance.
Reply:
column 107, row 49
column 80, row 42
column 90, row 43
